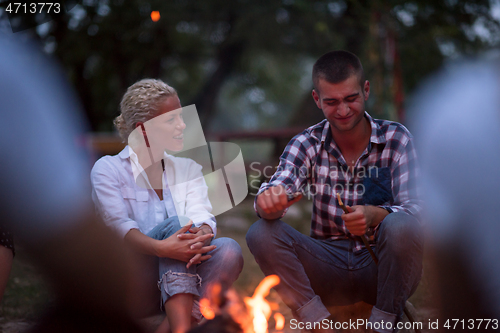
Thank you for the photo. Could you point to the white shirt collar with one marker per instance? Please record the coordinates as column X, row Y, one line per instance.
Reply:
column 137, row 168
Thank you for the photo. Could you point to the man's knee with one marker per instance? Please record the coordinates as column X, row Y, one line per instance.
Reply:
column 260, row 233
column 401, row 231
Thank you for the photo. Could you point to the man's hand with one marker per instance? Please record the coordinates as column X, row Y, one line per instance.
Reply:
column 272, row 202
column 360, row 218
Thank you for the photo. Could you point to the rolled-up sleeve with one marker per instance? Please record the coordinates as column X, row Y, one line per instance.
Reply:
column 108, row 199
column 198, row 206
column 293, row 170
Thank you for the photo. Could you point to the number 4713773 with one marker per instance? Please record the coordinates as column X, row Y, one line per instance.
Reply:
column 33, row 8
column 472, row 324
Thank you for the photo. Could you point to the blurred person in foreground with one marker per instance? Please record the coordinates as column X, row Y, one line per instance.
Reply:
column 458, row 113
column 46, row 203
column 159, row 204
column 372, row 164
column 7, row 253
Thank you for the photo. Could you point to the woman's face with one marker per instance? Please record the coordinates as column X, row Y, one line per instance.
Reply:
column 165, row 131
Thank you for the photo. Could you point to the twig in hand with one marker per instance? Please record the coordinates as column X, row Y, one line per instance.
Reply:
column 363, row 238
column 375, row 259
column 341, row 204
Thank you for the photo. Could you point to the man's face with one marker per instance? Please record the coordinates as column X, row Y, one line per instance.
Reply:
column 343, row 103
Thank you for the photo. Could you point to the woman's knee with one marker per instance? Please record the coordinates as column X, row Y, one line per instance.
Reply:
column 229, row 250
column 165, row 229
column 228, row 257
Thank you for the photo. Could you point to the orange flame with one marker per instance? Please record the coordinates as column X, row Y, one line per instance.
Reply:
column 155, row 15
column 280, row 321
column 254, row 317
column 238, row 311
column 259, row 307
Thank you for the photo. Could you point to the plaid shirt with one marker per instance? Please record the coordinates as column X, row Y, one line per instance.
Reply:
column 384, row 175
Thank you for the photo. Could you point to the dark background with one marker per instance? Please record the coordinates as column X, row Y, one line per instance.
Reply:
column 246, row 64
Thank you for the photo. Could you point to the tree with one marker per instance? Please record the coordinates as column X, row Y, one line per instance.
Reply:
column 257, row 55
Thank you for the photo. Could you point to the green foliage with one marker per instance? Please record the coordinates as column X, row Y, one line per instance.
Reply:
column 226, row 56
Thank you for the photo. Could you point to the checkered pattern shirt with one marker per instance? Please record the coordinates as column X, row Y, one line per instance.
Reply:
column 384, row 175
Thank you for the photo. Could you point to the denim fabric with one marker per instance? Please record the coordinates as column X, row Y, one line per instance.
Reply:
column 223, row 267
column 319, row 273
column 378, row 187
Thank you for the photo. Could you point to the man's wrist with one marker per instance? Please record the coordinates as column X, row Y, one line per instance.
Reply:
column 378, row 213
column 387, row 208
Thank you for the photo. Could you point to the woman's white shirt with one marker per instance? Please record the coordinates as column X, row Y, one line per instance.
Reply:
column 125, row 205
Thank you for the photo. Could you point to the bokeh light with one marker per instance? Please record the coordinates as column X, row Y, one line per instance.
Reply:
column 155, row 15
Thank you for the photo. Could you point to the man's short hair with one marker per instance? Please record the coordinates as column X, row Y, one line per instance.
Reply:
column 336, row 67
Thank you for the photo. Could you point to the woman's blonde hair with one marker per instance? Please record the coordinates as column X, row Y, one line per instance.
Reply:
column 141, row 103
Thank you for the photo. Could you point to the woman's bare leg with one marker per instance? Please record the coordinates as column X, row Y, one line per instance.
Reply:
column 178, row 309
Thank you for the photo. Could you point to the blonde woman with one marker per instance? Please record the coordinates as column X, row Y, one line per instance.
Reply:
column 146, row 195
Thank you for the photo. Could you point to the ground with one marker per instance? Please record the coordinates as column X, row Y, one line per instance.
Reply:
column 27, row 294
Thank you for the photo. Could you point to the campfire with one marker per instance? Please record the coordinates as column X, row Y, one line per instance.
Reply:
column 252, row 314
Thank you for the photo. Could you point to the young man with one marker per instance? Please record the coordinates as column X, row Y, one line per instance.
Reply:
column 372, row 164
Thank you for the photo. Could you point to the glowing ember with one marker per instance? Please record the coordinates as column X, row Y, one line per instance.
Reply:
column 280, row 321
column 206, row 310
column 155, row 16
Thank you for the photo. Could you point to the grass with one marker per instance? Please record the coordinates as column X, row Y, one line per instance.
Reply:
column 27, row 294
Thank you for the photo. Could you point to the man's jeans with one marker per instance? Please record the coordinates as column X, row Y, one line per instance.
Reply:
column 319, row 273
column 223, row 267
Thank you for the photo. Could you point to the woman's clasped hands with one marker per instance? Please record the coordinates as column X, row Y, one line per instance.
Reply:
column 187, row 246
